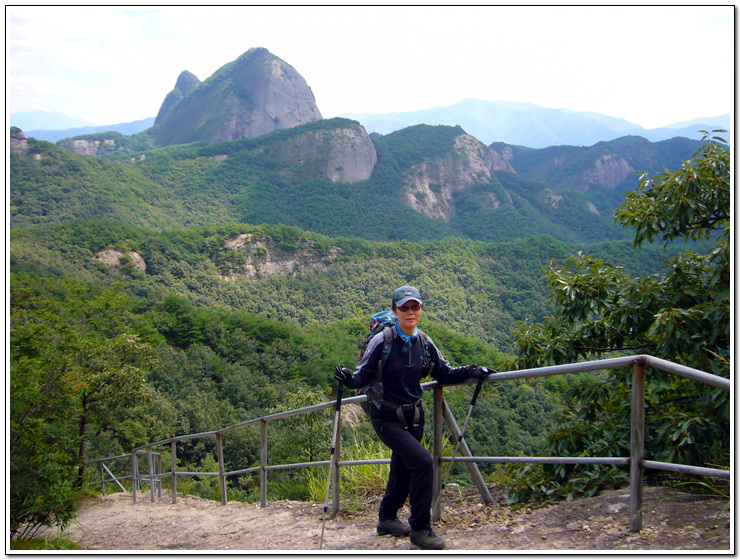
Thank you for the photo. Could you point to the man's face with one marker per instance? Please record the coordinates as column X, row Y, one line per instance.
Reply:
column 408, row 315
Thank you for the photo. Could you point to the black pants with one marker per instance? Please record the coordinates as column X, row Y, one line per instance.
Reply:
column 411, row 467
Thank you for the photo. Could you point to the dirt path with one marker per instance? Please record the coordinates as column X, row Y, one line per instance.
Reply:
column 672, row 521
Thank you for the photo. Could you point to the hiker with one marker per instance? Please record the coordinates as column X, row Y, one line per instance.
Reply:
column 397, row 416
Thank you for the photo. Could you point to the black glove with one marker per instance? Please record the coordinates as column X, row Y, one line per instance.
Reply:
column 342, row 374
column 480, row 372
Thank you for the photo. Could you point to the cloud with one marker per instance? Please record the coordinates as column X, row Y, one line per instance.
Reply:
column 645, row 64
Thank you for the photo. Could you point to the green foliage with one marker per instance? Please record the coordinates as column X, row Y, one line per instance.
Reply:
column 692, row 203
column 68, row 364
column 681, row 314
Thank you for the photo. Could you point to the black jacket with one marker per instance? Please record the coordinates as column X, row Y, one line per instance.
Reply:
column 402, row 373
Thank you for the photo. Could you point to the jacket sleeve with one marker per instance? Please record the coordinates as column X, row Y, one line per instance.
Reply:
column 367, row 367
column 444, row 373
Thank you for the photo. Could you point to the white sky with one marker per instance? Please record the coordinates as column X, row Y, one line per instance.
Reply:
column 650, row 65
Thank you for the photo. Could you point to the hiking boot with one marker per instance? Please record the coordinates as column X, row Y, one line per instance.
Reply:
column 393, row 527
column 426, row 539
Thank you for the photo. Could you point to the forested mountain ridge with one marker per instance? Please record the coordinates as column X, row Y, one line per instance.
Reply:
column 327, row 176
column 605, row 166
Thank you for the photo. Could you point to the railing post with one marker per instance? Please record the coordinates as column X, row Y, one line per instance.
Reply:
column 437, row 452
column 263, row 464
column 221, row 476
column 158, row 460
column 134, row 473
column 480, row 483
column 102, row 476
column 150, row 464
column 335, row 491
column 173, row 478
column 637, row 444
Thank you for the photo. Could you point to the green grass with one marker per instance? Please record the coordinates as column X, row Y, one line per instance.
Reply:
column 355, row 480
column 45, row 543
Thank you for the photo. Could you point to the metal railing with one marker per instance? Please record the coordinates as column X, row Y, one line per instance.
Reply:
column 636, row 461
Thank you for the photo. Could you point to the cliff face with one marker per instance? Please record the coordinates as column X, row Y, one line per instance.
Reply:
column 256, row 94
column 430, row 186
column 609, row 170
column 342, row 154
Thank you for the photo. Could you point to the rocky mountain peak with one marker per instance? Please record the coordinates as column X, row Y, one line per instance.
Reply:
column 254, row 95
column 186, row 82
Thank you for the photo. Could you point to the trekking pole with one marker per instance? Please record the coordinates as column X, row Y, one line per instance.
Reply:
column 478, row 387
column 337, row 406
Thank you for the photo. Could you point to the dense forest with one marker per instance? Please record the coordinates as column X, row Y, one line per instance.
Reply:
column 220, row 305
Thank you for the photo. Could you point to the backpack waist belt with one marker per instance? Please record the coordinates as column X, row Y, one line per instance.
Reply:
column 401, row 409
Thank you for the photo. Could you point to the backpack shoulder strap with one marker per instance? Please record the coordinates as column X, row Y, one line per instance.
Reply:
column 387, row 342
column 428, row 365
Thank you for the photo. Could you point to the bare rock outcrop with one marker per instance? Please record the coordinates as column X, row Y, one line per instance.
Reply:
column 116, row 261
column 260, row 258
column 430, row 186
column 341, row 154
column 18, row 141
column 86, row 147
column 550, row 198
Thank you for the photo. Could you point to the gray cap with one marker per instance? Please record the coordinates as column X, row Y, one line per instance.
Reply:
column 404, row 294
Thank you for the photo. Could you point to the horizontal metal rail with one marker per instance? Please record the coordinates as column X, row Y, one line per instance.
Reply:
column 636, row 462
column 688, row 469
column 624, row 461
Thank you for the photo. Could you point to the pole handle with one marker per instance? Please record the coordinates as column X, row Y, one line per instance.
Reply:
column 478, row 387
column 340, row 390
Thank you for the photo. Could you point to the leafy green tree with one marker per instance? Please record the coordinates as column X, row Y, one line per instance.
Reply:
column 681, row 314
column 41, row 440
column 113, row 377
column 73, row 364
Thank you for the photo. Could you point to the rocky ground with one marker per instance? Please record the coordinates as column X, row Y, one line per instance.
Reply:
column 672, row 521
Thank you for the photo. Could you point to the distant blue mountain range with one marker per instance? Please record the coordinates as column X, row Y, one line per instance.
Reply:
column 52, row 135
column 521, row 124
column 525, row 124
